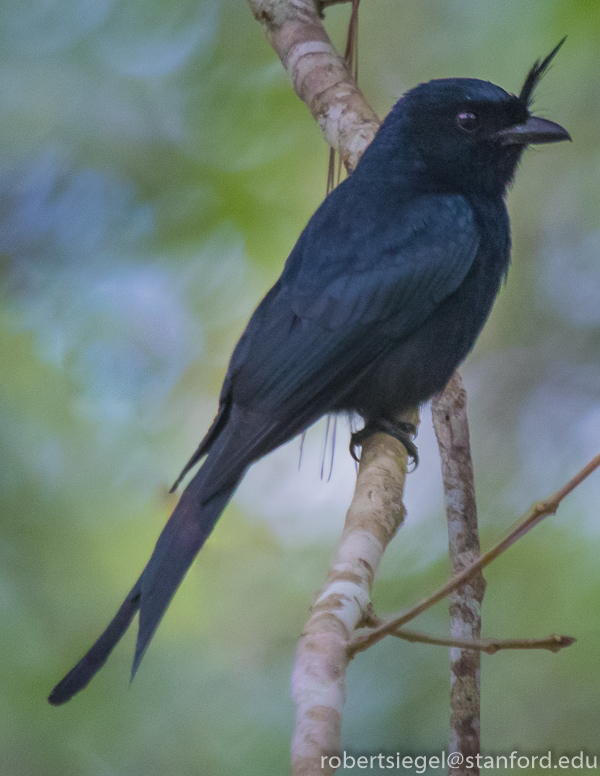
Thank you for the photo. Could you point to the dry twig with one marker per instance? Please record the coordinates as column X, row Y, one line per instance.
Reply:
column 553, row 643
column 537, row 513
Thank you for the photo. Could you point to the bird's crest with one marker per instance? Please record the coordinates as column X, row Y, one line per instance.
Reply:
column 536, row 73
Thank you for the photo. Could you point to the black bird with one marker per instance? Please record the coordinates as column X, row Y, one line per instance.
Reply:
column 382, row 297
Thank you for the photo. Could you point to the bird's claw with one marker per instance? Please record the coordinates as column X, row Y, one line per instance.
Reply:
column 400, row 430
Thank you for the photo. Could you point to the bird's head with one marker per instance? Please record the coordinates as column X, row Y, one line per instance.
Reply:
column 468, row 135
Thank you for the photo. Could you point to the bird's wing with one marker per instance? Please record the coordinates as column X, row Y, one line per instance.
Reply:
column 309, row 342
column 333, row 323
column 401, row 271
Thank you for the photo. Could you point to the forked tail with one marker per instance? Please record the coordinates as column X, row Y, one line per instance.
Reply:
column 180, row 541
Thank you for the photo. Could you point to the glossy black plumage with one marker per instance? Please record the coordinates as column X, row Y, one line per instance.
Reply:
column 382, row 297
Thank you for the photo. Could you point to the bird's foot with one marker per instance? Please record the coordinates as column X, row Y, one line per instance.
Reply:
column 398, row 429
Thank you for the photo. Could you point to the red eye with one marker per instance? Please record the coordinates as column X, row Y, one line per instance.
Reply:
column 468, row 121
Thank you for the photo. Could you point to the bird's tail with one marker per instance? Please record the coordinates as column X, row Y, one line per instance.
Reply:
column 180, row 541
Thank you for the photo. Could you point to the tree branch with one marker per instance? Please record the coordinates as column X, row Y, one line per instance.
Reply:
column 537, row 513
column 375, row 514
column 322, row 80
column 451, row 425
column 319, row 75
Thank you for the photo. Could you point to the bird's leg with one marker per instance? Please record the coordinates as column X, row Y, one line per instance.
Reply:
column 400, row 430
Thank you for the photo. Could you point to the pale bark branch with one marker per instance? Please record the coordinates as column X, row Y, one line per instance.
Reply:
column 375, row 514
column 322, row 80
column 319, row 75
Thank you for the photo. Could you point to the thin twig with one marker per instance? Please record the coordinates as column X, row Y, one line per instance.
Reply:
column 351, row 62
column 326, row 3
column 553, row 643
column 537, row 513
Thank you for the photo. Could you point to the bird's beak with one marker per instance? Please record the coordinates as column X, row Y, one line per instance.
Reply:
column 534, row 130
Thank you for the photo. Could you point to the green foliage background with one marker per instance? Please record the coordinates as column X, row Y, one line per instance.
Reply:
column 155, row 171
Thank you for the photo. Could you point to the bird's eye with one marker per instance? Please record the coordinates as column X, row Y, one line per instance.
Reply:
column 468, row 121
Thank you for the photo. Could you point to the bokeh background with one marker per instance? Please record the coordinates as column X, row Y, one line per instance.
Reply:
column 155, row 171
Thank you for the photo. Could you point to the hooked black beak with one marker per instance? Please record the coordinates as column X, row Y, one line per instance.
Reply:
column 534, row 130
